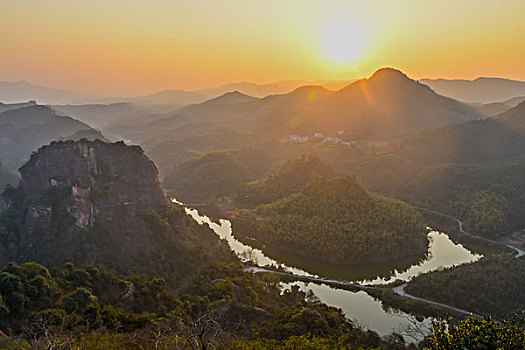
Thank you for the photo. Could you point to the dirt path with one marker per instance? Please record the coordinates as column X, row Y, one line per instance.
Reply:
column 331, row 282
column 400, row 290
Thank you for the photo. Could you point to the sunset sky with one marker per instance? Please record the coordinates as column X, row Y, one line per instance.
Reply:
column 139, row 47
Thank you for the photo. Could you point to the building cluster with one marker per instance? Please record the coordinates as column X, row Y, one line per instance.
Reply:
column 320, row 137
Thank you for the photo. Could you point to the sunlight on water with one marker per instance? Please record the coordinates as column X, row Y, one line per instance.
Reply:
column 442, row 253
column 360, row 307
column 224, row 230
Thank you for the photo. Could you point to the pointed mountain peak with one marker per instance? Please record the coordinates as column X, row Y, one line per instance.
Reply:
column 312, row 92
column 388, row 73
column 232, row 97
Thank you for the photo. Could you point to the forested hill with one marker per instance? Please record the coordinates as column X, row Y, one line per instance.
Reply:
column 215, row 174
column 337, row 221
column 291, row 178
column 472, row 170
column 467, row 143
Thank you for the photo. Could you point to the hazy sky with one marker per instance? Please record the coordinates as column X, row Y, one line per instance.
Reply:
column 137, row 47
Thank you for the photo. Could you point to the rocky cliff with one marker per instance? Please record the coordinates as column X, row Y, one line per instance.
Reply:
column 109, row 184
column 91, row 201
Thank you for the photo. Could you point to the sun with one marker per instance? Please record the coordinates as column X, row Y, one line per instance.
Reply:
column 343, row 41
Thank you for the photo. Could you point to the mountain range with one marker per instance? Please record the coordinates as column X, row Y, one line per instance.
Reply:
column 387, row 105
column 21, row 91
column 480, row 90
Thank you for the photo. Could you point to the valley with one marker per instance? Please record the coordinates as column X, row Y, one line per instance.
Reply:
column 374, row 223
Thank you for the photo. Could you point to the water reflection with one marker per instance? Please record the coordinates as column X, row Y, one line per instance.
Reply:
column 442, row 253
column 360, row 307
column 366, row 311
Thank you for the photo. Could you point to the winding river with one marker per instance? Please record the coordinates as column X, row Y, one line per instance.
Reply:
column 363, row 309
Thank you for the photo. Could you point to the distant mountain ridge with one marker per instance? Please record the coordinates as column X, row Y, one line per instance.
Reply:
column 24, row 130
column 480, row 90
column 15, row 92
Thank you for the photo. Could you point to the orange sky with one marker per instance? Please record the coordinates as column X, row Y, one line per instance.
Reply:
column 138, row 47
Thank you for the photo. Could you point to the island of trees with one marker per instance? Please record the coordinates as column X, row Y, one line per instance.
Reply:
column 332, row 219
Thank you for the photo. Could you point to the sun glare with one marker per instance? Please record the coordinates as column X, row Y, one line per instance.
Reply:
column 343, row 41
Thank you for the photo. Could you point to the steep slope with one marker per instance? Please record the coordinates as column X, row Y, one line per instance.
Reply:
column 90, row 201
column 25, row 129
column 7, row 177
column 514, row 117
column 389, row 104
column 482, row 90
column 489, row 140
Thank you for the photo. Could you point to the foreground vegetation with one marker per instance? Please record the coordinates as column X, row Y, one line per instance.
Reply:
column 478, row 334
column 337, row 221
column 91, row 307
column 220, row 308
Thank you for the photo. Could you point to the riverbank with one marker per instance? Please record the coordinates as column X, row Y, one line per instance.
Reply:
column 390, row 295
column 378, row 307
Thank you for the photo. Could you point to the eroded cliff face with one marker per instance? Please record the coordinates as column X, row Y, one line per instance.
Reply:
column 99, row 203
column 99, row 183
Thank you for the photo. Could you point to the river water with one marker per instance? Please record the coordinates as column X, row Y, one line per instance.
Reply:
column 359, row 307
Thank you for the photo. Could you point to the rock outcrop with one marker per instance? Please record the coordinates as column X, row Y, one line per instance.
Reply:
column 95, row 202
column 105, row 183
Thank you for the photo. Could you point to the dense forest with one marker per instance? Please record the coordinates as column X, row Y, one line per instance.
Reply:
column 495, row 285
column 337, row 221
column 476, row 333
column 214, row 174
column 219, row 307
